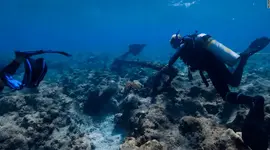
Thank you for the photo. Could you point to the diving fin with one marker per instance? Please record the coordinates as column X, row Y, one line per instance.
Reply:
column 256, row 46
column 35, row 71
column 28, row 54
column 11, row 82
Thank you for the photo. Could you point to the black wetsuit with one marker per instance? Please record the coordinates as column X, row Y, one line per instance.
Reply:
column 198, row 58
column 35, row 71
column 11, row 68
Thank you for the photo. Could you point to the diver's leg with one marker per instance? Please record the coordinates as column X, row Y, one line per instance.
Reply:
column 11, row 68
column 15, row 64
column 254, row 47
column 236, row 76
column 231, row 78
column 219, row 69
column 6, row 75
column 219, row 84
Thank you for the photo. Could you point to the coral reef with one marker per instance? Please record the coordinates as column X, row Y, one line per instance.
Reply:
column 85, row 109
column 43, row 120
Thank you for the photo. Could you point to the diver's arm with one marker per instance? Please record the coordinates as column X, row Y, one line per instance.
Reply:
column 176, row 55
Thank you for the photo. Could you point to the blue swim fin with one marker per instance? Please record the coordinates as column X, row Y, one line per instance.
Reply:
column 12, row 83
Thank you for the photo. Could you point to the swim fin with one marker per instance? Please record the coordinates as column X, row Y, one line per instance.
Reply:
column 11, row 82
column 28, row 54
column 35, row 71
column 256, row 46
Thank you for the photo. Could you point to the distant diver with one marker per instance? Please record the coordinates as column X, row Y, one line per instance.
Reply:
column 201, row 52
column 35, row 70
column 134, row 49
column 254, row 132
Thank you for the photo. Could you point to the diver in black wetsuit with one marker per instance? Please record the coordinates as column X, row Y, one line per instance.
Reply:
column 35, row 70
column 193, row 50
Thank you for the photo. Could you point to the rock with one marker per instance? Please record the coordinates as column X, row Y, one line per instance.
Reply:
column 129, row 144
column 98, row 98
column 130, row 103
column 237, row 120
column 203, row 133
column 267, row 108
column 9, row 104
column 211, row 108
column 152, row 145
column 38, row 122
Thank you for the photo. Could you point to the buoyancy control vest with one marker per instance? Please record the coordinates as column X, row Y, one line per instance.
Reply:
column 221, row 52
column 197, row 46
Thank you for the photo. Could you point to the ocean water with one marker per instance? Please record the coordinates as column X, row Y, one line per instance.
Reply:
column 109, row 26
column 106, row 26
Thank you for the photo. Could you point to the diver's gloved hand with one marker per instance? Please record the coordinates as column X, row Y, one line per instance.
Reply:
column 171, row 71
column 258, row 44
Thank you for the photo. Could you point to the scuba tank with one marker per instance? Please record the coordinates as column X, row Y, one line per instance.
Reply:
column 223, row 53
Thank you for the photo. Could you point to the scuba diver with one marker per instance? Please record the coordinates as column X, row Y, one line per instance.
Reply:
column 254, row 132
column 35, row 70
column 134, row 49
column 202, row 52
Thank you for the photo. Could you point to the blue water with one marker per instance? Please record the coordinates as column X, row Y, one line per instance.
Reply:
column 109, row 26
